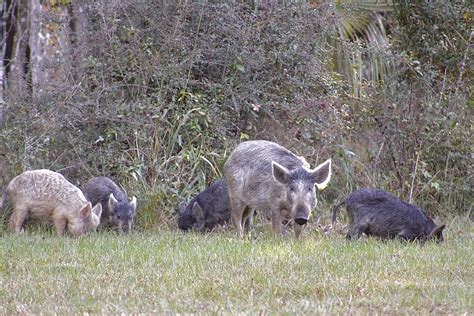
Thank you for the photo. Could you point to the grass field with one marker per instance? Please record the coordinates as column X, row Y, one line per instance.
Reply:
column 172, row 272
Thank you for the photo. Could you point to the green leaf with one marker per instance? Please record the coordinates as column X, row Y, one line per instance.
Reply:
column 244, row 136
column 435, row 185
column 240, row 67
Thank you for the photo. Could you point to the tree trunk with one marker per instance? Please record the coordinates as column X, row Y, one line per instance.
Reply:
column 50, row 46
column 2, row 67
column 78, row 38
column 37, row 39
column 14, row 50
column 16, row 47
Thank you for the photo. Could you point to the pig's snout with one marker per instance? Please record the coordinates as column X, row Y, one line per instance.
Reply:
column 302, row 215
column 301, row 221
column 125, row 227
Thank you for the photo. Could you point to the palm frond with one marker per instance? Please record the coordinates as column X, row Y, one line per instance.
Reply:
column 367, row 60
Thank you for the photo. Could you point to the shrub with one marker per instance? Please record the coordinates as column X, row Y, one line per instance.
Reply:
column 160, row 93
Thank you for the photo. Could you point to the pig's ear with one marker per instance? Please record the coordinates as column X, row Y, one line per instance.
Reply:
column 112, row 203
column 86, row 211
column 182, row 207
column 97, row 209
column 133, row 203
column 280, row 173
column 437, row 233
column 197, row 211
column 322, row 174
column 198, row 215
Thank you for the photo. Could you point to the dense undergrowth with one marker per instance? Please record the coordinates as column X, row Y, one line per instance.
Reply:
column 161, row 94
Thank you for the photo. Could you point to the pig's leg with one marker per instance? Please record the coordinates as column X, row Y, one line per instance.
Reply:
column 248, row 219
column 18, row 217
column 406, row 236
column 298, row 230
column 351, row 234
column 237, row 210
column 356, row 231
column 60, row 223
column 276, row 221
column 248, row 224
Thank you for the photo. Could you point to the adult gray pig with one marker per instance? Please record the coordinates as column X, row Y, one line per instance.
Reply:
column 266, row 176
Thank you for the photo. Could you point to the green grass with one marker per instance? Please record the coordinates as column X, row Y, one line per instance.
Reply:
column 172, row 272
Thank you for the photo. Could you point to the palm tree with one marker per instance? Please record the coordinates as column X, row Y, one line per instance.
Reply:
column 364, row 49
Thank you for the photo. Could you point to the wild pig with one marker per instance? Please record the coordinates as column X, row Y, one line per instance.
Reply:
column 117, row 211
column 48, row 195
column 208, row 209
column 379, row 213
column 266, row 176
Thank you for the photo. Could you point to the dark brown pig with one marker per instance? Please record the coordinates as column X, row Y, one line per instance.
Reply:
column 208, row 209
column 379, row 213
column 118, row 212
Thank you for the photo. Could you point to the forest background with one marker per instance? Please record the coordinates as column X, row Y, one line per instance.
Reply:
column 156, row 94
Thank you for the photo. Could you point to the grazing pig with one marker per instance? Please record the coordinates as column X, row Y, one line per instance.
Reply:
column 48, row 195
column 118, row 212
column 208, row 209
column 263, row 175
column 379, row 213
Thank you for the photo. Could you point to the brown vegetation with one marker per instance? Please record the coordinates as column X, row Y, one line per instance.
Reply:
column 156, row 95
